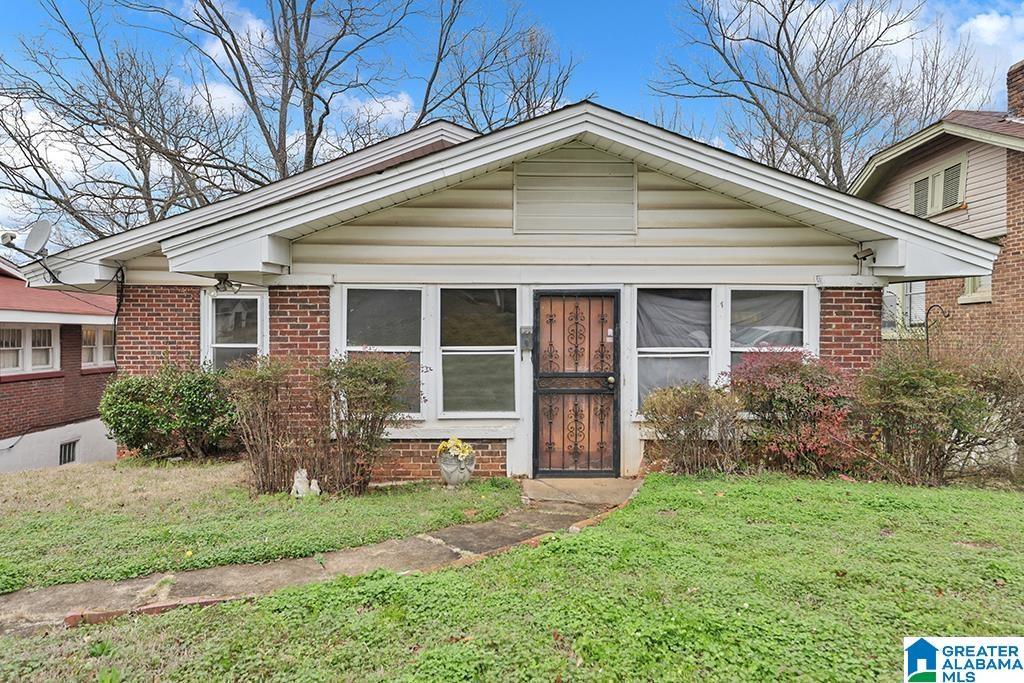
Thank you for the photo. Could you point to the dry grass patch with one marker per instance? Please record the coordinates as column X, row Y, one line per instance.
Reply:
column 119, row 520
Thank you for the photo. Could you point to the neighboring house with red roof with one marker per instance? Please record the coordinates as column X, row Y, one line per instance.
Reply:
column 56, row 355
column 966, row 172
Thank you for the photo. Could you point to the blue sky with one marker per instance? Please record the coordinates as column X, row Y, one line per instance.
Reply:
column 619, row 44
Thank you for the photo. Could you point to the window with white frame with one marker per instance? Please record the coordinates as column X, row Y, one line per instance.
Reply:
column 903, row 306
column 29, row 348
column 761, row 319
column 479, row 345
column 97, row 346
column 10, row 349
column 979, row 286
column 940, row 189
column 673, row 337
column 235, row 327
column 387, row 321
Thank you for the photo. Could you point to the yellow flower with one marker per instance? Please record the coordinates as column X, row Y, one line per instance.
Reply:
column 188, row 553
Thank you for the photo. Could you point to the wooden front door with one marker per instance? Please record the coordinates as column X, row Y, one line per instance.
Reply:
column 576, row 384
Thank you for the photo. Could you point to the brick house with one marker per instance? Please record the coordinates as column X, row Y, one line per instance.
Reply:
column 544, row 278
column 966, row 172
column 56, row 354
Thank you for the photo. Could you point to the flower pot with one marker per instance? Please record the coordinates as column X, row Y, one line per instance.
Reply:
column 454, row 471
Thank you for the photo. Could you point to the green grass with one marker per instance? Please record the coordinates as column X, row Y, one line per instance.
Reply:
column 109, row 521
column 721, row 579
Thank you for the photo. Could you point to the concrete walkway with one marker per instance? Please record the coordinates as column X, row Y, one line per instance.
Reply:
column 551, row 505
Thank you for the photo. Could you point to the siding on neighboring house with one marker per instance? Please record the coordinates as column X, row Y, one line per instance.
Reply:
column 984, row 193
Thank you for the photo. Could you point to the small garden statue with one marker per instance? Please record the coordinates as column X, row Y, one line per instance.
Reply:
column 457, row 459
column 302, row 485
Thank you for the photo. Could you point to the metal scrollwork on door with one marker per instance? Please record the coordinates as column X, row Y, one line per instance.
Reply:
column 576, row 335
column 575, row 383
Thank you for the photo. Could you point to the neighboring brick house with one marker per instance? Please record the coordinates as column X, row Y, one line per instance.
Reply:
column 543, row 278
column 56, row 354
column 966, row 172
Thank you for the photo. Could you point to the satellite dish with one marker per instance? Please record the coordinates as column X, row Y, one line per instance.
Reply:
column 38, row 236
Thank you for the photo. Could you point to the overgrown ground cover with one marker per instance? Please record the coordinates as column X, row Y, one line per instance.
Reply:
column 729, row 579
column 115, row 521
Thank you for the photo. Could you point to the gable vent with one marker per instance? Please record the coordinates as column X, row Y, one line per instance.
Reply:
column 951, row 186
column 575, row 189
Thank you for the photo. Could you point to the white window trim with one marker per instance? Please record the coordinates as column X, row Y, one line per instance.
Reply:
column 466, row 350
column 904, row 327
column 25, row 354
column 343, row 347
column 935, row 198
column 721, row 334
column 207, row 324
column 98, row 348
column 975, row 294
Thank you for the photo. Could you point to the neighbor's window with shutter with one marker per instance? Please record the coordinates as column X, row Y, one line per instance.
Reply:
column 386, row 321
column 940, row 189
column 479, row 348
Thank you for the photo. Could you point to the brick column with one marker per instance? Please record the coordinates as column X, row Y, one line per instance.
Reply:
column 157, row 324
column 851, row 326
column 300, row 320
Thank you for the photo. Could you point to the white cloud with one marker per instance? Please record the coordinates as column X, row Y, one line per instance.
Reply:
column 998, row 38
column 393, row 109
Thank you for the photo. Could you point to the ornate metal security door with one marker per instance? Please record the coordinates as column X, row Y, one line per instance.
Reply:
column 576, row 379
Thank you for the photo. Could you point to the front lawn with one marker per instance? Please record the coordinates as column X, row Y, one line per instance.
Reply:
column 726, row 578
column 116, row 521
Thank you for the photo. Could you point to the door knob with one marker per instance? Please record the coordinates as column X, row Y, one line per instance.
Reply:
column 611, row 379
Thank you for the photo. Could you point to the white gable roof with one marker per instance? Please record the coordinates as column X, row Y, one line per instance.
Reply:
column 255, row 229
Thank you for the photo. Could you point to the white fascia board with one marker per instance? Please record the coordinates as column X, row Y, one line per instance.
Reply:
column 452, row 165
column 144, row 239
column 46, row 318
column 925, row 135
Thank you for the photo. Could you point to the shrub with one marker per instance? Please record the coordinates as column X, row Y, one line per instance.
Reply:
column 933, row 419
column 177, row 411
column 262, row 392
column 356, row 400
column 800, row 407
column 696, row 427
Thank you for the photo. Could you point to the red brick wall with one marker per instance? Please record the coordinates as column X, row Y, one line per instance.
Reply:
column 300, row 329
column 413, row 459
column 157, row 324
column 1015, row 89
column 53, row 398
column 996, row 326
column 851, row 326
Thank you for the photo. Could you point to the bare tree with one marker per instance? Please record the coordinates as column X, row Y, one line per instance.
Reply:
column 111, row 144
column 813, row 87
column 530, row 79
column 103, row 136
